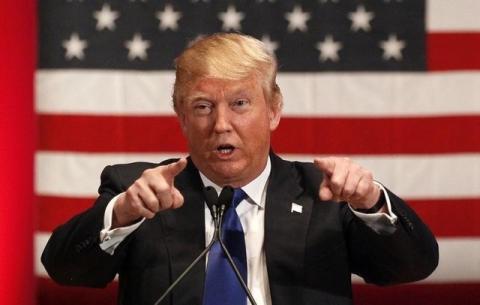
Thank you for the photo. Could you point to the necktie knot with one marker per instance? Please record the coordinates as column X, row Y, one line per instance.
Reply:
column 238, row 196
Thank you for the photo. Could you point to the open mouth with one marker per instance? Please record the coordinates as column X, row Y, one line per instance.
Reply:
column 225, row 149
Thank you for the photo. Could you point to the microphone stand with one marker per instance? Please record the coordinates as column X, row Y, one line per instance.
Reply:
column 199, row 257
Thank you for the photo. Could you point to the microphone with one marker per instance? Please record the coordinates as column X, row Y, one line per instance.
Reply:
column 211, row 198
column 224, row 202
column 217, row 206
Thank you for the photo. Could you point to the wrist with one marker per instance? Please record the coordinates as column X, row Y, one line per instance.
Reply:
column 376, row 207
column 119, row 217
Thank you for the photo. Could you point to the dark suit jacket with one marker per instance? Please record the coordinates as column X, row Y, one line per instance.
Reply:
column 310, row 255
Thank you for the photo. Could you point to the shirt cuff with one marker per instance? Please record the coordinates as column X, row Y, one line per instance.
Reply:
column 111, row 238
column 382, row 223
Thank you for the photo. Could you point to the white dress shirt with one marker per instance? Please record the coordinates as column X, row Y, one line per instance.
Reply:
column 251, row 212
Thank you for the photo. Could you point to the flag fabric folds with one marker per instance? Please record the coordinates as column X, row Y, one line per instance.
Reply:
column 393, row 84
column 17, row 144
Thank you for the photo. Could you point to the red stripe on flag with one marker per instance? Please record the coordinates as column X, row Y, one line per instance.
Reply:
column 445, row 218
column 110, row 133
column 419, row 135
column 425, row 294
column 453, row 51
column 418, row 294
column 54, row 211
column 51, row 293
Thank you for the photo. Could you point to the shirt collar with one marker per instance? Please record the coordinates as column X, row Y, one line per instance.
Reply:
column 255, row 189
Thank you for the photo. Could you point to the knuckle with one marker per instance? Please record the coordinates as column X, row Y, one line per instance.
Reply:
column 130, row 194
column 148, row 215
column 137, row 184
column 161, row 188
column 362, row 189
column 136, row 208
column 166, row 205
column 348, row 191
column 354, row 167
column 336, row 182
column 154, row 204
column 147, row 173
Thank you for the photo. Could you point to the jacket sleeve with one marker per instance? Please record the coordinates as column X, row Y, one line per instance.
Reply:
column 72, row 255
column 408, row 254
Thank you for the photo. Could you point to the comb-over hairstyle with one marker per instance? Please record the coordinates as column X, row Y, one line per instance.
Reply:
column 228, row 56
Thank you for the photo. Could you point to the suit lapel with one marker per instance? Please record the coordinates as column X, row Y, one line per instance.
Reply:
column 285, row 228
column 185, row 228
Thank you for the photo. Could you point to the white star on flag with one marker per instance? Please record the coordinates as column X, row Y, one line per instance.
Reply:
column 137, row 47
column 106, row 18
column 271, row 45
column 297, row 19
column 329, row 49
column 74, row 47
column 361, row 19
column 168, row 18
column 392, row 48
column 231, row 19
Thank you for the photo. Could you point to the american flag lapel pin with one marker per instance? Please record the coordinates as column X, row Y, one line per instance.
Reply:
column 296, row 208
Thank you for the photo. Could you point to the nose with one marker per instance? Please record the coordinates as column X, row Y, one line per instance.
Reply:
column 222, row 120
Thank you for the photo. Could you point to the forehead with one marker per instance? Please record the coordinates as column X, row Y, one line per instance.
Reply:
column 215, row 86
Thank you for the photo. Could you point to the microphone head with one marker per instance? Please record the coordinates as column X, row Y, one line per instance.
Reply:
column 226, row 196
column 211, row 196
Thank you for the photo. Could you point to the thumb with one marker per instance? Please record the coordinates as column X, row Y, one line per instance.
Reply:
column 324, row 192
column 326, row 165
column 175, row 168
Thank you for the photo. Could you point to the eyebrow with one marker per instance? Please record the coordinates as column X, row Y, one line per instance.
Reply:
column 197, row 96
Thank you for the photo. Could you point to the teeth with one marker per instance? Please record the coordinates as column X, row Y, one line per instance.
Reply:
column 225, row 149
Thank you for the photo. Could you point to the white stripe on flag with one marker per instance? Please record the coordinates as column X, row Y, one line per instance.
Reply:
column 410, row 176
column 305, row 94
column 453, row 16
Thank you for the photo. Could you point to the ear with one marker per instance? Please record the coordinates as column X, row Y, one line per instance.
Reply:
column 274, row 115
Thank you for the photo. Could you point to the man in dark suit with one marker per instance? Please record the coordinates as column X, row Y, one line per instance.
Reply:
column 306, row 226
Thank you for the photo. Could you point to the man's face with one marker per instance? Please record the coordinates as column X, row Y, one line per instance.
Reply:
column 227, row 125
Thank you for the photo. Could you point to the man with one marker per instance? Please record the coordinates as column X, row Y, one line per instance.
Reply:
column 302, row 239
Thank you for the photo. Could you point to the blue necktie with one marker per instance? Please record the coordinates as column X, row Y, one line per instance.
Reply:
column 221, row 285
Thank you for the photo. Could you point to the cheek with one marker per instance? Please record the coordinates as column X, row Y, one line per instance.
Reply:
column 196, row 131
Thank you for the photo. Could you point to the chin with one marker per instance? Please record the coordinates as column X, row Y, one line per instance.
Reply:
column 229, row 173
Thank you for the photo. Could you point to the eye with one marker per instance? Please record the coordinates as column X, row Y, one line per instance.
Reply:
column 241, row 103
column 202, row 107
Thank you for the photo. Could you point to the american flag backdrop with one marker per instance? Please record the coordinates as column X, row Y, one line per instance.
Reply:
column 394, row 84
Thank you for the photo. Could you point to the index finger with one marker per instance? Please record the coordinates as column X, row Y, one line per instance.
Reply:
column 175, row 168
column 326, row 165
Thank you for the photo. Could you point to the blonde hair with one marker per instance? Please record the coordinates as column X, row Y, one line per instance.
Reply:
column 226, row 56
